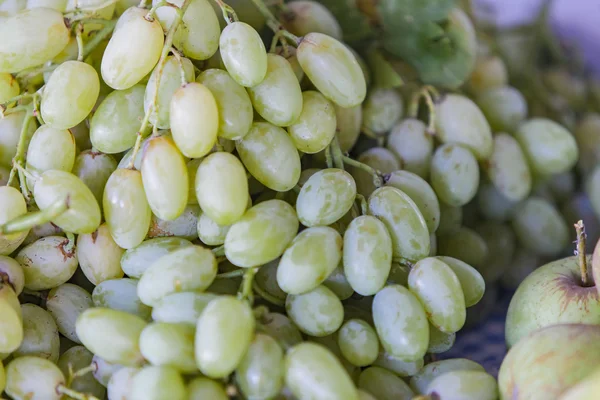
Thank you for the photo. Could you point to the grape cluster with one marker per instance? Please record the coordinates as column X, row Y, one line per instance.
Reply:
column 204, row 200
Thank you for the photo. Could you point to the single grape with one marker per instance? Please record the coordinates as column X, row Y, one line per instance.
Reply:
column 317, row 313
column 454, row 174
column 47, row 262
column 413, row 145
column 120, row 294
column 382, row 109
column 378, row 158
column 183, row 226
column 489, row 73
column 34, row 378
column 289, row 53
column 181, row 308
column 138, row 259
column 99, row 256
column 66, row 303
column 243, row 54
column 358, row 342
column 439, row 342
column 12, row 273
column 314, row 129
column 40, row 334
column 77, row 358
column 384, row 385
column 504, row 107
column 11, row 325
column 427, row 374
column 94, row 169
column 45, row 143
column 120, row 383
column 155, row 383
column 205, row 388
column 471, row 281
column 133, row 49
column 398, row 366
column 12, row 206
column 348, row 125
column 508, row 168
column 467, row 385
column 169, row 345
column 310, row 16
column 466, row 245
column 260, row 372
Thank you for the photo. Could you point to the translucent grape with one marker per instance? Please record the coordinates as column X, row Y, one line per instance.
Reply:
column 181, row 308
column 154, row 383
column 401, row 323
column 164, row 176
column 99, row 256
column 309, row 260
column 475, row 385
column 185, row 269
column 120, row 294
column 233, row 103
column 404, row 221
column 183, row 226
column 34, row 378
column 379, row 158
column 398, row 366
column 317, row 313
column 138, row 259
column 348, row 125
column 458, row 120
column 508, row 168
column 243, row 54
column 12, row 273
column 205, row 388
column 40, row 334
column 489, row 72
column 312, row 371
column 133, row 49
column 94, row 169
column 343, row 81
column 325, row 197
column 504, row 107
column 126, row 210
column 260, row 372
column 169, row 345
column 209, row 232
column 358, row 342
column 223, row 335
column 65, row 303
column 471, row 281
column 454, row 174
column 120, row 383
column 12, row 206
column 384, row 385
column 413, row 146
column 194, row 119
column 465, row 245
column 36, row 36
column 76, row 358
column 69, row 94
column 382, row 109
column 83, row 215
column 316, row 126
column 310, row 16
column 114, row 125
column 47, row 262
column 278, row 97
column 111, row 334
column 367, row 255
column 427, row 374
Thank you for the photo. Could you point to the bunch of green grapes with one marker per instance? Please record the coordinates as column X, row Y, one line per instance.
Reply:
column 211, row 200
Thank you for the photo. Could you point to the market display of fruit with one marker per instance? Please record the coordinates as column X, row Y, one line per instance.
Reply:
column 303, row 200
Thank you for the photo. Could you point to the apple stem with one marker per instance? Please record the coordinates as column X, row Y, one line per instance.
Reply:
column 580, row 250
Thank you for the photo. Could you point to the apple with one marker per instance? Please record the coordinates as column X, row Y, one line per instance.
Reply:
column 550, row 361
column 552, row 294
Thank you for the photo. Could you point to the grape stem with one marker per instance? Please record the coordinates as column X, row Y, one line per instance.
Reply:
column 177, row 56
column 580, row 251
column 150, row 16
column 159, row 70
column 336, row 153
column 74, row 394
column 229, row 14
column 263, row 294
column 430, row 95
column 231, row 274
column 25, row 222
column 364, row 207
column 274, row 23
column 377, row 177
column 20, row 154
column 328, row 159
column 245, row 292
column 79, row 38
column 80, row 372
column 23, row 96
column 219, row 251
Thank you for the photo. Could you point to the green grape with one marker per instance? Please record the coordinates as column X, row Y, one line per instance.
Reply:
column 549, row 147
column 12, row 206
column 384, row 385
column 471, row 281
column 420, row 382
column 466, row 245
column 467, row 385
column 183, row 226
column 338, row 284
column 99, row 256
column 358, row 342
column 318, row 312
column 33, row 37
column 413, row 145
column 47, row 262
column 222, row 187
column 310, row 16
column 501, row 244
column 9, row 87
column 103, row 370
column 404, row 221
column 11, row 324
column 184, row 269
column 587, row 135
column 233, row 103
column 278, row 97
column 454, row 174
column 471, row 130
column 382, row 109
column 268, row 153
column 111, row 334
column 243, row 54
column 314, row 129
column 348, row 125
column 379, row 158
column 260, row 372
column 69, row 94
column 164, row 176
column 493, row 205
column 120, row 383
column 133, row 49
column 367, row 255
column 11, row 126
column 209, row 232
column 66, row 303
column 281, row 328
column 450, row 219
column 343, row 81
column 312, row 371
column 126, row 209
column 120, row 294
column 508, row 169
column 504, row 107
column 94, row 169
column 194, row 119
column 40, row 334
column 489, row 73
column 325, row 197
column 398, row 366
column 138, row 259
column 420, row 192
column 12, row 273
column 205, row 388
column 540, row 227
column 83, row 215
column 181, row 308
column 262, row 234
column 169, row 345
column 155, row 383
column 439, row 342
column 223, row 335
column 76, row 358
column 309, row 260
column 33, row 378
column 114, row 125
column 401, row 323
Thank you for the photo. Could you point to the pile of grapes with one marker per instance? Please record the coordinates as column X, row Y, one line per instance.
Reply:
column 302, row 200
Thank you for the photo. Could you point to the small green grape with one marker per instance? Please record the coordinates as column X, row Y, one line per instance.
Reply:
column 120, row 294
column 384, row 385
column 382, row 109
column 454, row 174
column 427, row 374
column 504, row 107
column 169, row 345
column 260, row 372
column 184, row 226
column 413, row 145
column 40, row 334
column 243, row 54
column 310, row 16
column 66, row 303
column 316, row 125
column 318, row 312
column 138, row 259
column 33, row 377
column 358, row 342
column 154, row 383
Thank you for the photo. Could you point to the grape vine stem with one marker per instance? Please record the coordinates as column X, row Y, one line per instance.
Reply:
column 20, row 154
column 263, row 294
column 274, row 23
column 27, row 221
column 377, row 178
column 580, row 251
